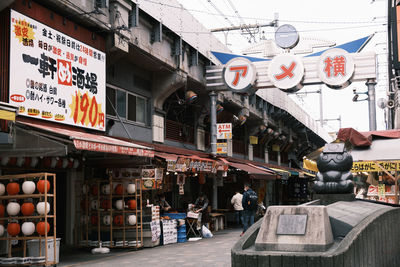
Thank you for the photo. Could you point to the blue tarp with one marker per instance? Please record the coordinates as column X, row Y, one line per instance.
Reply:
column 351, row 47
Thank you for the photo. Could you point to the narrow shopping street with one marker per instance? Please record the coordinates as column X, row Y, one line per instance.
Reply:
column 214, row 251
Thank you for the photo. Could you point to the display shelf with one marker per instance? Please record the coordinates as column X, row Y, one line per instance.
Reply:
column 88, row 229
column 49, row 197
column 386, row 194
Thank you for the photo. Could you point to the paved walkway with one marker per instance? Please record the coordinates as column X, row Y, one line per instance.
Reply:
column 214, row 251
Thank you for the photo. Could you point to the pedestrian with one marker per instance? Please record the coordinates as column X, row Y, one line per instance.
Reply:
column 236, row 201
column 201, row 205
column 250, row 204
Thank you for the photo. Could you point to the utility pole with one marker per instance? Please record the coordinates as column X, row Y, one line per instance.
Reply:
column 213, row 133
column 371, row 104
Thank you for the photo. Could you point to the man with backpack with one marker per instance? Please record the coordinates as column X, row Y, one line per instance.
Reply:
column 250, row 204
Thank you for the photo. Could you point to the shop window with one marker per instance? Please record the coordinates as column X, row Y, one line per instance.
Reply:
column 128, row 106
column 121, row 103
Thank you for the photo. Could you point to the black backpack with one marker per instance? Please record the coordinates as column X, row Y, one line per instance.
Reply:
column 252, row 200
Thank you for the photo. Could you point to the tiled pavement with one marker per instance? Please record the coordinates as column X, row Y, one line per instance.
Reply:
column 214, row 251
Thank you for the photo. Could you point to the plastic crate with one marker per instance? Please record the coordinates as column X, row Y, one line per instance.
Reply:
column 181, row 239
column 175, row 216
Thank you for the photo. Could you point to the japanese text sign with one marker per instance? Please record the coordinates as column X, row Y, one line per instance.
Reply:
column 286, row 71
column 222, row 148
column 239, row 75
column 335, row 68
column 372, row 166
column 55, row 77
column 224, row 130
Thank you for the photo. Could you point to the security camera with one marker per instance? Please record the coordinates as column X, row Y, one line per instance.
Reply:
column 355, row 97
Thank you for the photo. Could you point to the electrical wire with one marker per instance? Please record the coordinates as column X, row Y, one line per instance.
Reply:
column 220, row 12
column 261, row 18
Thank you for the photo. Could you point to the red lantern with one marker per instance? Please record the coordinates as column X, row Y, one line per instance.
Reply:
column 2, row 210
column 13, row 188
column 119, row 189
column 132, row 204
column 119, row 220
column 105, row 204
column 94, row 190
column 13, row 229
column 94, row 219
column 27, row 209
column 41, row 186
column 41, row 228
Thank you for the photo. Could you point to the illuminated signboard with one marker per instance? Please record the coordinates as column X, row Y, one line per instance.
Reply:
column 55, row 77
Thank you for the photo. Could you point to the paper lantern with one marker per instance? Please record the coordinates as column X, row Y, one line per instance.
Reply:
column 107, row 220
column 191, row 96
column 105, row 189
column 119, row 204
column 2, row 189
column 94, row 220
column 13, row 229
column 41, row 228
column 28, row 228
column 13, row 188
column 27, row 209
column 85, row 189
column 13, row 208
column 106, row 204
column 40, row 207
column 28, row 187
column 2, row 209
column 119, row 189
column 1, row 230
column 131, row 188
column 119, row 220
column 85, row 219
column 131, row 219
column 94, row 190
column 41, row 186
column 94, row 204
column 132, row 204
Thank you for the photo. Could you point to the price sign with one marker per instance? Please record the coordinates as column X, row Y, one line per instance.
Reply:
column 224, row 130
column 222, row 148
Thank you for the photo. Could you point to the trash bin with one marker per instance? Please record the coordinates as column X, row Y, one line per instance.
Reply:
column 33, row 248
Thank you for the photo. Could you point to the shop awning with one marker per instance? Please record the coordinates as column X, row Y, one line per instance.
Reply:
column 8, row 111
column 166, row 156
column 254, row 171
column 92, row 142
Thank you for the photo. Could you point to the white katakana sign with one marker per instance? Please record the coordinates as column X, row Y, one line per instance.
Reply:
column 286, row 72
column 239, row 75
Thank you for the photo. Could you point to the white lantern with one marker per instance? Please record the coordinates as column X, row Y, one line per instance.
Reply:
column 84, row 219
column 94, row 204
column 105, row 189
column 85, row 189
column 28, row 187
column 28, row 228
column 40, row 207
column 131, row 188
column 107, row 220
column 2, row 189
column 1, row 230
column 13, row 208
column 119, row 204
column 131, row 219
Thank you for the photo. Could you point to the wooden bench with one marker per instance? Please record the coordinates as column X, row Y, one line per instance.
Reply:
column 218, row 221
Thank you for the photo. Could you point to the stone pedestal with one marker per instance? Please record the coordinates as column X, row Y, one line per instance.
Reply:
column 295, row 228
column 327, row 199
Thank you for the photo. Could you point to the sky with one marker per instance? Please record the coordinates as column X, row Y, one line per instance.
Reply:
column 339, row 21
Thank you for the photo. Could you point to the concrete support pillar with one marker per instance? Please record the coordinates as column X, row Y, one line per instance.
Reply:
column 215, row 194
column 250, row 149
column 371, row 104
column 266, row 154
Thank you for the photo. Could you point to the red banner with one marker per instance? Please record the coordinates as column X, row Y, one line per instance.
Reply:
column 107, row 148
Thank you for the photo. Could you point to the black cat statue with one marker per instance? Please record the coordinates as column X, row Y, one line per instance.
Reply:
column 334, row 165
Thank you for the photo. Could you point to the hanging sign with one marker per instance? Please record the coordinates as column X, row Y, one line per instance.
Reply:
column 239, row 74
column 286, row 72
column 335, row 68
column 224, row 130
column 372, row 166
column 55, row 77
column 222, row 148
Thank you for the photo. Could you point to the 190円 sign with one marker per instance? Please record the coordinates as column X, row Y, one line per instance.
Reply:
column 55, row 77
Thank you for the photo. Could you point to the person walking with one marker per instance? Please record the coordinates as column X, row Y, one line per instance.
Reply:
column 236, row 201
column 249, row 203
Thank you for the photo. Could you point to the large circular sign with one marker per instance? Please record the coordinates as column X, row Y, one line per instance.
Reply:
column 335, row 68
column 239, row 75
column 286, row 72
column 286, row 36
